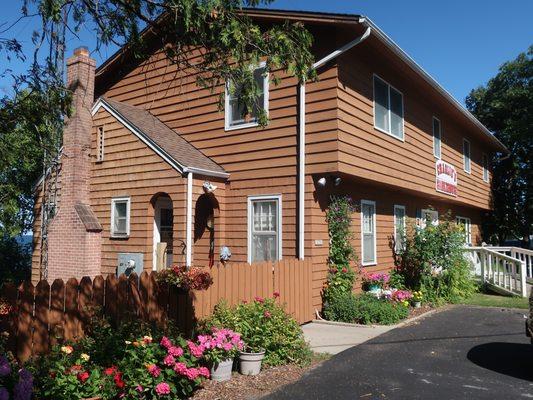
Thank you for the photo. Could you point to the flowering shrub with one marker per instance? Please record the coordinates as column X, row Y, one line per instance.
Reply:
column 193, row 278
column 433, row 262
column 165, row 369
column 15, row 382
column 341, row 277
column 401, row 296
column 220, row 345
column 263, row 325
column 378, row 279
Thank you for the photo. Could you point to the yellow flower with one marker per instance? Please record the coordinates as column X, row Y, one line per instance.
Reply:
column 85, row 357
column 67, row 349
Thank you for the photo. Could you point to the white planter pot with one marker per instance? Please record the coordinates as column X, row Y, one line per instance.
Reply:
column 222, row 371
column 417, row 304
column 250, row 363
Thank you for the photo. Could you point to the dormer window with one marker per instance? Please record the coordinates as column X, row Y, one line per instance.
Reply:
column 237, row 115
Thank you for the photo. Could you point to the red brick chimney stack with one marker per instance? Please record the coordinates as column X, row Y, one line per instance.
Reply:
column 74, row 244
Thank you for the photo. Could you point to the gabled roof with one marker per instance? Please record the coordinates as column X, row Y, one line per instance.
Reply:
column 166, row 142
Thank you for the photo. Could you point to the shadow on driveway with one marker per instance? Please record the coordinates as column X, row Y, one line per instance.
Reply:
column 512, row 359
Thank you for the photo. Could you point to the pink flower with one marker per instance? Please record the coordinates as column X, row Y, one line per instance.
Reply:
column 203, row 371
column 139, row 388
column 192, row 373
column 162, row 388
column 175, row 351
column 259, row 299
column 196, row 350
column 165, row 342
column 276, row 295
column 154, row 370
column 180, row 368
column 267, row 314
column 169, row 360
column 227, row 346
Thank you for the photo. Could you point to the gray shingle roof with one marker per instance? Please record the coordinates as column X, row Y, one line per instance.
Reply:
column 165, row 139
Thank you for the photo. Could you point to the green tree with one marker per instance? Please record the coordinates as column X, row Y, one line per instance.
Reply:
column 505, row 106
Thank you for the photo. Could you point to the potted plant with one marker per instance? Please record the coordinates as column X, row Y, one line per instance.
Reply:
column 374, row 282
column 221, row 347
column 194, row 278
column 417, row 299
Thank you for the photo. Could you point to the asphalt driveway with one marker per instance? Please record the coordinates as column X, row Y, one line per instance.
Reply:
column 459, row 353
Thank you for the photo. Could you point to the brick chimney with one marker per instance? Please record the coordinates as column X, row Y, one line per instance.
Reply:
column 74, row 238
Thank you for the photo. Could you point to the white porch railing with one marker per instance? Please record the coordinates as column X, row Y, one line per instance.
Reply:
column 500, row 270
column 525, row 255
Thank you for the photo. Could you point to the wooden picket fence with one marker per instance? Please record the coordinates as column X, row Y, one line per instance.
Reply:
column 46, row 314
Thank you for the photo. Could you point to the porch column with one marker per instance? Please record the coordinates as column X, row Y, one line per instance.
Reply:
column 188, row 254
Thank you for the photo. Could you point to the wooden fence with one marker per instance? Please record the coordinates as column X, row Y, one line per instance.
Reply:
column 45, row 314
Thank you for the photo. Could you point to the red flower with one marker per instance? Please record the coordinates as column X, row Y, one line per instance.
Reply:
column 259, row 299
column 83, row 376
column 52, row 374
column 344, row 270
column 267, row 314
column 276, row 295
column 110, row 371
column 118, row 380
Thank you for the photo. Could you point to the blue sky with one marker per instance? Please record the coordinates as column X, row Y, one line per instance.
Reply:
column 461, row 43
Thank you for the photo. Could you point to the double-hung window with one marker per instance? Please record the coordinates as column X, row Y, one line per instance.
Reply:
column 436, row 138
column 237, row 115
column 485, row 162
column 388, row 108
column 430, row 215
column 467, row 228
column 399, row 228
column 264, row 228
column 120, row 217
column 368, row 232
column 466, row 155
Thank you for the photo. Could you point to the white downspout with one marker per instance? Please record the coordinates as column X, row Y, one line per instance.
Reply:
column 188, row 241
column 301, row 138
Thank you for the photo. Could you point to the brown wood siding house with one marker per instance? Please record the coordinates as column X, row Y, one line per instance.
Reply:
column 258, row 179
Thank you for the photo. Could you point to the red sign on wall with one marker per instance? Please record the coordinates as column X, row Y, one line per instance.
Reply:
column 446, row 178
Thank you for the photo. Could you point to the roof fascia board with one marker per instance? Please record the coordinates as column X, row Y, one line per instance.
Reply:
column 182, row 169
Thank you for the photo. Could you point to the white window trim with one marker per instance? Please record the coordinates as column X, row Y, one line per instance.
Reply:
column 469, row 170
column 423, row 218
column 227, row 117
column 399, row 207
column 458, row 220
column 128, row 208
column 485, row 167
column 251, row 199
column 439, row 157
column 402, row 139
column 375, row 261
column 100, row 148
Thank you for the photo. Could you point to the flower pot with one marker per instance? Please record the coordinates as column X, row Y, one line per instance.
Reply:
column 250, row 363
column 417, row 304
column 374, row 288
column 221, row 371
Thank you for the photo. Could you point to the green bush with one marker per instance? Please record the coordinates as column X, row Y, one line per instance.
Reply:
column 263, row 324
column 433, row 262
column 365, row 309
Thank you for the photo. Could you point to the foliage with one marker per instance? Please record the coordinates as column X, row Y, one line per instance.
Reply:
column 15, row 260
column 220, row 345
column 263, row 325
column 418, row 296
column 15, row 382
column 505, row 106
column 433, row 262
column 194, row 278
column 341, row 276
column 365, row 309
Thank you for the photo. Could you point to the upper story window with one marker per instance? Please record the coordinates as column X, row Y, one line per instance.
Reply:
column 466, row 155
column 264, row 228
column 485, row 163
column 100, row 144
column 237, row 115
column 388, row 108
column 436, row 138
column 120, row 217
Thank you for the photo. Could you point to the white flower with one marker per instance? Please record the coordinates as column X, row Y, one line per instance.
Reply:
column 85, row 357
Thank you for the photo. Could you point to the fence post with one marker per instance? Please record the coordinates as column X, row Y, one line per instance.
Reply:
column 482, row 265
column 523, row 272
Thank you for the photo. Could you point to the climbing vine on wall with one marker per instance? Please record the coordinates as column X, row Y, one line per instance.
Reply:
column 341, row 277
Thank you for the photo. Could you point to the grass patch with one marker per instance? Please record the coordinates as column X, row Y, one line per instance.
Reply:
column 496, row 300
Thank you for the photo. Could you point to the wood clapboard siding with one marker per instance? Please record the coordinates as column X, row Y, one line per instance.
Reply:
column 367, row 152
column 261, row 161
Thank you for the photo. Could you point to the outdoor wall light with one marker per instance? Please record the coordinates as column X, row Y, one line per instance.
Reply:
column 322, row 181
column 337, row 181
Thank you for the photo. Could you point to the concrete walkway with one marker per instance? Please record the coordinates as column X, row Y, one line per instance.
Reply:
column 335, row 337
